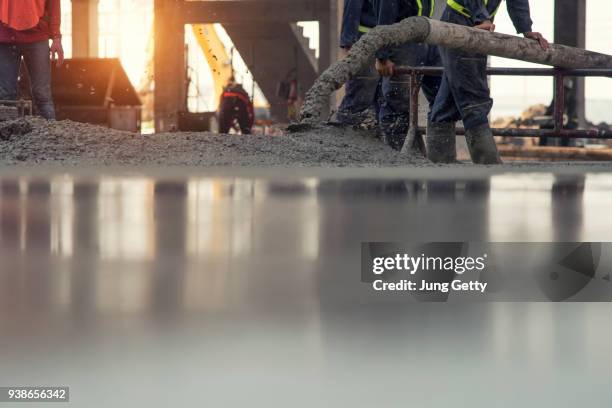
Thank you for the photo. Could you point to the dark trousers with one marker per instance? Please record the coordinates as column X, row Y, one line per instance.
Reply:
column 394, row 116
column 464, row 93
column 234, row 109
column 37, row 61
column 360, row 97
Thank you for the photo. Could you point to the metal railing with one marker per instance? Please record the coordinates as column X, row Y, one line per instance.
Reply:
column 23, row 107
column 559, row 75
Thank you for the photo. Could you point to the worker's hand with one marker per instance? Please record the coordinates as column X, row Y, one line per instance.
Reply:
column 539, row 38
column 385, row 68
column 486, row 25
column 57, row 51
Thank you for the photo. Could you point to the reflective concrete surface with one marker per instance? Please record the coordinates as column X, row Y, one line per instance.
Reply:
column 226, row 292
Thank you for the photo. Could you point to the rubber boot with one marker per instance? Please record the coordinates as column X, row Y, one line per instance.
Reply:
column 482, row 145
column 441, row 142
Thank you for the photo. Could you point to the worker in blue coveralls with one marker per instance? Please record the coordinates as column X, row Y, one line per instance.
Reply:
column 464, row 92
column 360, row 100
column 394, row 116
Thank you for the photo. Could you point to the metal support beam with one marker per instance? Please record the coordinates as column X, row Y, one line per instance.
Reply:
column 169, row 65
column 250, row 11
column 570, row 23
column 85, row 28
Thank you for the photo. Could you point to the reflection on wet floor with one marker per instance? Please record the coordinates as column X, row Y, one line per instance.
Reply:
column 248, row 283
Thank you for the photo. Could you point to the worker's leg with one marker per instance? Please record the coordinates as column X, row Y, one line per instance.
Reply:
column 445, row 112
column 481, row 145
column 444, row 107
column 243, row 119
column 224, row 116
column 359, row 102
column 394, row 110
column 468, row 83
column 36, row 57
column 10, row 59
column 395, row 107
column 225, row 123
column 431, row 83
column 467, row 80
column 441, row 138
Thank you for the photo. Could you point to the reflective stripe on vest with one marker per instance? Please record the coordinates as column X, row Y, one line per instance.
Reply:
column 244, row 98
column 496, row 8
column 364, row 29
column 431, row 10
column 458, row 8
column 461, row 10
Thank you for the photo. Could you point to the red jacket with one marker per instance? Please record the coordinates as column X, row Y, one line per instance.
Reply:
column 48, row 26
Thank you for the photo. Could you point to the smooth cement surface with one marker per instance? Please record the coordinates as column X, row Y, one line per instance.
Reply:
column 245, row 291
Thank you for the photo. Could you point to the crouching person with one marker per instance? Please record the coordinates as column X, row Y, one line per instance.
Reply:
column 26, row 27
column 235, row 109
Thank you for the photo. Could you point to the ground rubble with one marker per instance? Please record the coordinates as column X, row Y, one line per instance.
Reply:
column 32, row 141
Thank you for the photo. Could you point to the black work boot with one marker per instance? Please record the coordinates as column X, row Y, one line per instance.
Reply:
column 396, row 141
column 441, row 142
column 482, row 145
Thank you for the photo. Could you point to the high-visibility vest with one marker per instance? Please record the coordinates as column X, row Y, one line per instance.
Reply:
column 420, row 7
column 458, row 7
column 23, row 14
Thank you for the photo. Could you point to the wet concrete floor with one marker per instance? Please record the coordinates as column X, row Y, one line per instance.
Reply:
column 245, row 291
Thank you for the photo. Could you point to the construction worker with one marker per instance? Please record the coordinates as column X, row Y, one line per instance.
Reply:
column 235, row 106
column 464, row 92
column 359, row 102
column 394, row 116
column 26, row 26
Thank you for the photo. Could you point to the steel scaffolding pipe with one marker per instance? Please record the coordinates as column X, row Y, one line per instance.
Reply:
column 421, row 29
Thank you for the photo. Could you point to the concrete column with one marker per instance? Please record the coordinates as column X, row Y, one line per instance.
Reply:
column 169, row 64
column 274, row 52
column 570, row 23
column 329, row 36
column 85, row 28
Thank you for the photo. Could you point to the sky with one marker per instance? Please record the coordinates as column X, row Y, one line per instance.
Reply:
column 512, row 94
